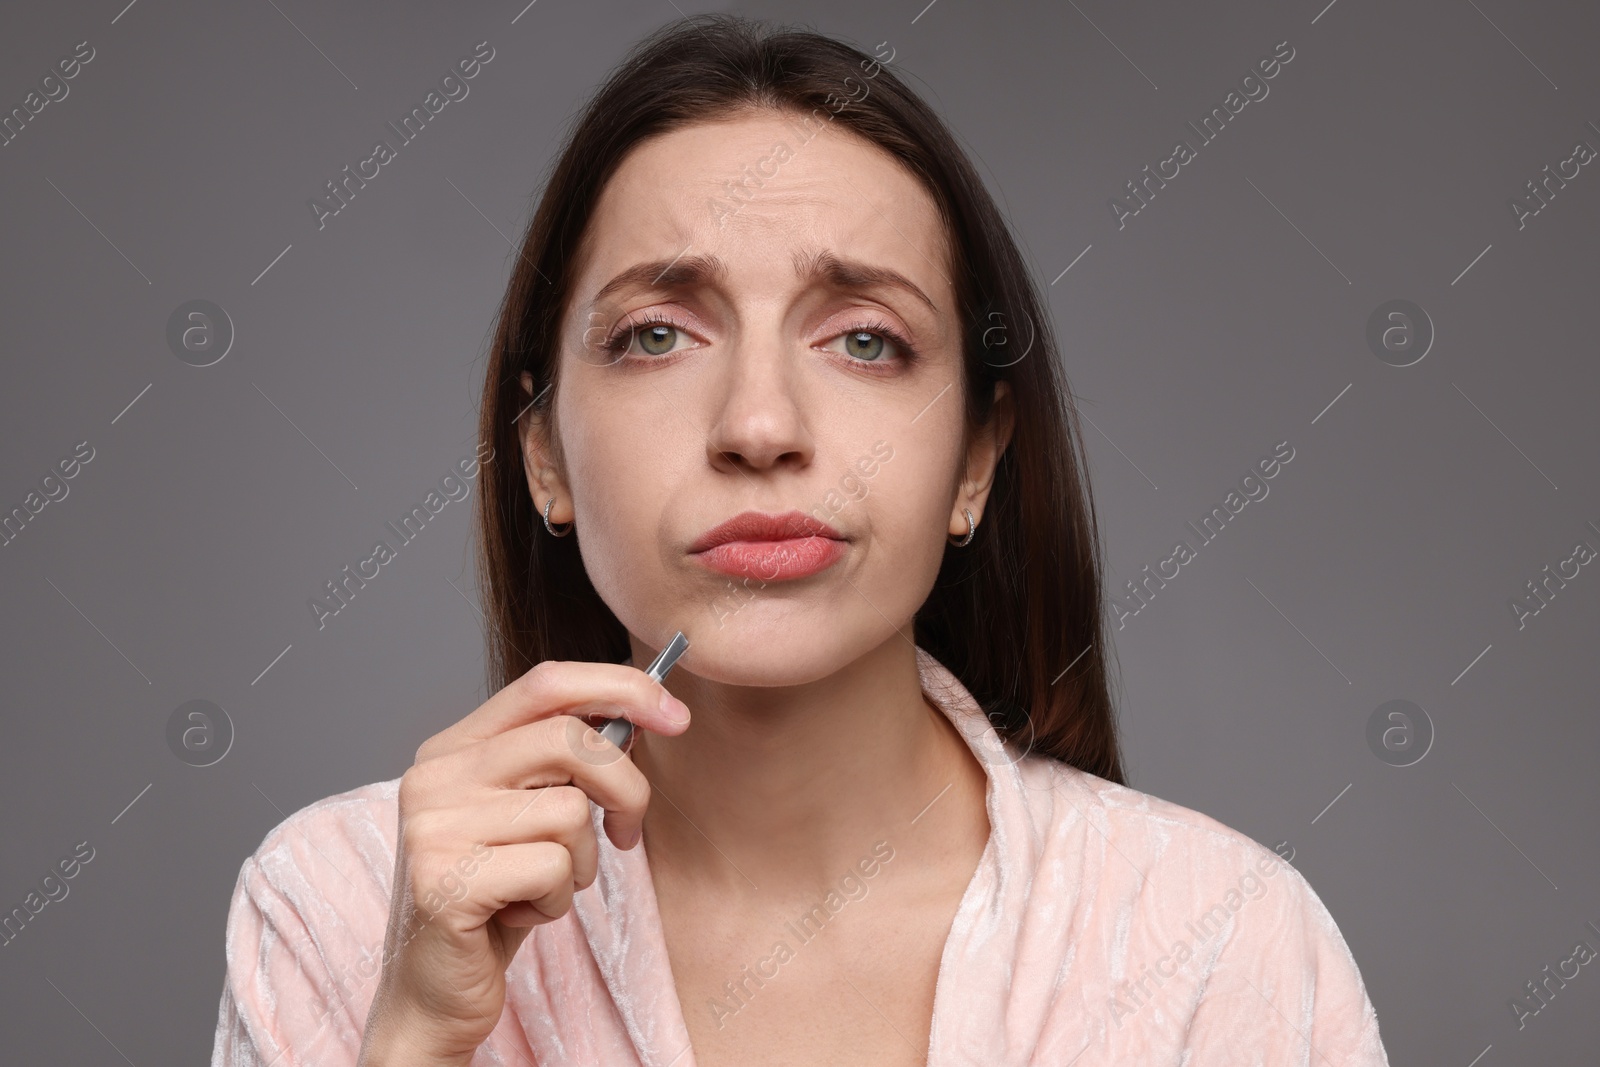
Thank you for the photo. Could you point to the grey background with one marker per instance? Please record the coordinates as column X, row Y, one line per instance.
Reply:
column 1225, row 317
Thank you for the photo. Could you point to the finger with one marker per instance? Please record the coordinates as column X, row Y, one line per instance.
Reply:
column 461, row 838
column 538, row 873
column 615, row 690
column 551, row 752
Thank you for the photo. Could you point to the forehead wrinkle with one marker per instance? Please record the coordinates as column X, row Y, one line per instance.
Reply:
column 811, row 265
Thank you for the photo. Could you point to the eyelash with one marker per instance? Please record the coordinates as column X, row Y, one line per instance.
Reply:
column 622, row 339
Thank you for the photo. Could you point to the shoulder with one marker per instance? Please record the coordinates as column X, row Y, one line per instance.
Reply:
column 336, row 846
column 1164, row 865
column 1164, row 834
column 363, row 817
column 308, row 916
column 335, row 855
column 306, row 930
column 1191, row 914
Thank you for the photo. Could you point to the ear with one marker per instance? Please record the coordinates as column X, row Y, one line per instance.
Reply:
column 544, row 478
column 983, row 457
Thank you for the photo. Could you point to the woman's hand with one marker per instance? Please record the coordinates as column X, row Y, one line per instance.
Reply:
column 494, row 839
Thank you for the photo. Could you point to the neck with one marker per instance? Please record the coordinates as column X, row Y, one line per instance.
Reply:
column 794, row 784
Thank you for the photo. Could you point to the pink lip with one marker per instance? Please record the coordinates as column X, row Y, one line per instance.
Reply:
column 770, row 547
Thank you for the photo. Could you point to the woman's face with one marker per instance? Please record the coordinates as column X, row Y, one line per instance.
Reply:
column 763, row 322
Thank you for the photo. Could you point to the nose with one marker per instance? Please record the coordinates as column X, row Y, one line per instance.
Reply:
column 759, row 418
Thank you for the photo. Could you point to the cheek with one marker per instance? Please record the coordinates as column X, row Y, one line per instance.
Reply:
column 908, row 501
column 616, row 470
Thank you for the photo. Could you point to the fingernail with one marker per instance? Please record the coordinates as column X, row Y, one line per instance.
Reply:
column 676, row 711
column 634, row 839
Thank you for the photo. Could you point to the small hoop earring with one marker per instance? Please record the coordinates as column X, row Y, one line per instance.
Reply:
column 553, row 531
column 972, row 528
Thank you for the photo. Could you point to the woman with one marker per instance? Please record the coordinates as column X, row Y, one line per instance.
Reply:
column 778, row 378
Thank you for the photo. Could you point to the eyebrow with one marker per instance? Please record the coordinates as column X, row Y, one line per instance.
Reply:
column 812, row 266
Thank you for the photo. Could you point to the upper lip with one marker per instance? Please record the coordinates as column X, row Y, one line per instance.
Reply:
column 759, row 526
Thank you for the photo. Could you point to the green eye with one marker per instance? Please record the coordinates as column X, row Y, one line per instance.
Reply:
column 657, row 336
column 657, row 340
column 876, row 341
column 868, row 346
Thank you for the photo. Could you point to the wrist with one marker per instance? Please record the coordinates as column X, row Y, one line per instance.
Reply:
column 396, row 1038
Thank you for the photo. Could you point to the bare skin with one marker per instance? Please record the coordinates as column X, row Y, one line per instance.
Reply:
column 856, row 987
column 811, row 740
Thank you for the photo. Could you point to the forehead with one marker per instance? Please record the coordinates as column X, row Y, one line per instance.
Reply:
column 758, row 188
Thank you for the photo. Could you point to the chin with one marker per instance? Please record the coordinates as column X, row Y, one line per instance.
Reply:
column 760, row 647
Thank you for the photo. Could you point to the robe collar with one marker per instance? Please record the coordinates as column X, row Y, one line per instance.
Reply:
column 622, row 923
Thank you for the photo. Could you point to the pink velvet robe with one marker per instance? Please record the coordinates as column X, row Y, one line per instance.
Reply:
column 1103, row 926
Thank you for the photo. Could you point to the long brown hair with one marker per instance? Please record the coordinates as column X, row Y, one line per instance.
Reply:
column 1017, row 614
